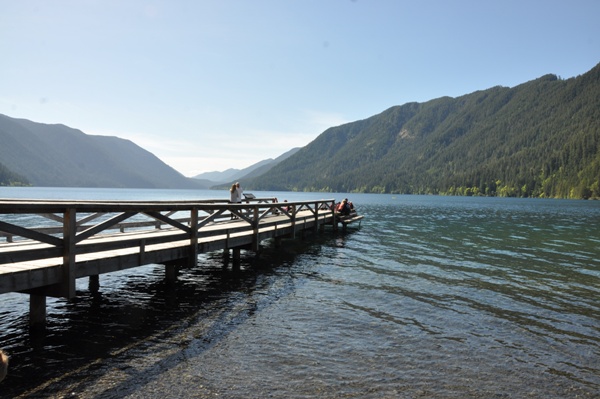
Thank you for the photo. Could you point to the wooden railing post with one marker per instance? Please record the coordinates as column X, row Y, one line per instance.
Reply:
column 193, row 253
column 293, row 220
column 255, row 242
column 316, row 228
column 68, row 267
column 333, row 218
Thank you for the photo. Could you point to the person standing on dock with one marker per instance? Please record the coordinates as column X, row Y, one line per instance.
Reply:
column 3, row 364
column 235, row 193
column 238, row 193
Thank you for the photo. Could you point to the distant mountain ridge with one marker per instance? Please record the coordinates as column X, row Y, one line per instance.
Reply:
column 55, row 155
column 219, row 179
column 230, row 174
column 59, row 156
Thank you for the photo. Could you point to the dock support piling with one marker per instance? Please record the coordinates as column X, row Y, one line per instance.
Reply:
column 171, row 272
column 37, row 311
column 94, row 284
column 236, row 258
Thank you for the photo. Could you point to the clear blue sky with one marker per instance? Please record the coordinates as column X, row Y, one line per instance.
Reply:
column 211, row 85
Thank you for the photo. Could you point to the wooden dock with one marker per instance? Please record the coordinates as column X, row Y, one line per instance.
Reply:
column 46, row 245
column 345, row 220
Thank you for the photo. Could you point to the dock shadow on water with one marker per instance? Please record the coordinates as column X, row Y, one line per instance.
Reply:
column 107, row 345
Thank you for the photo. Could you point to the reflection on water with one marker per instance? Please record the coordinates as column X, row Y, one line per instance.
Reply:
column 432, row 297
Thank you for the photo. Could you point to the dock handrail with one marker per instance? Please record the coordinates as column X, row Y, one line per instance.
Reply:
column 81, row 228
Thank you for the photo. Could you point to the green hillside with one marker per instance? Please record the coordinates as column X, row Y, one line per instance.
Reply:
column 539, row 139
column 9, row 178
column 59, row 156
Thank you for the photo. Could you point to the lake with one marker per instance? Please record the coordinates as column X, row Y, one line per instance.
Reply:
column 432, row 297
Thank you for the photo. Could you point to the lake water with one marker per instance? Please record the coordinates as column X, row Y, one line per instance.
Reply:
column 433, row 297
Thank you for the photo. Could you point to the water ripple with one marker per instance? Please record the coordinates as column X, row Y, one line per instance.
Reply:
column 433, row 297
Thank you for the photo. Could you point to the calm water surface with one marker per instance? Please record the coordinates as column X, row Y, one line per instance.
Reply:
column 433, row 297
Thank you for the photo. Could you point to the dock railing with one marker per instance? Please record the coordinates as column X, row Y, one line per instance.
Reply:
column 65, row 240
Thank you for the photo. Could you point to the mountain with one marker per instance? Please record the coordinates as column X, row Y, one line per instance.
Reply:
column 216, row 176
column 230, row 174
column 221, row 179
column 10, row 178
column 264, row 168
column 538, row 139
column 59, row 156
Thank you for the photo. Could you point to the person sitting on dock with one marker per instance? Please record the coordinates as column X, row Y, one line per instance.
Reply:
column 3, row 364
column 286, row 209
column 344, row 208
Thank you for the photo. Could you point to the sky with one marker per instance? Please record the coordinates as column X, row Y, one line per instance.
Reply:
column 208, row 85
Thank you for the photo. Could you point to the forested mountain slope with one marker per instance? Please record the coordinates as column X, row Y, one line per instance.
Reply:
column 538, row 139
column 9, row 178
column 59, row 156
